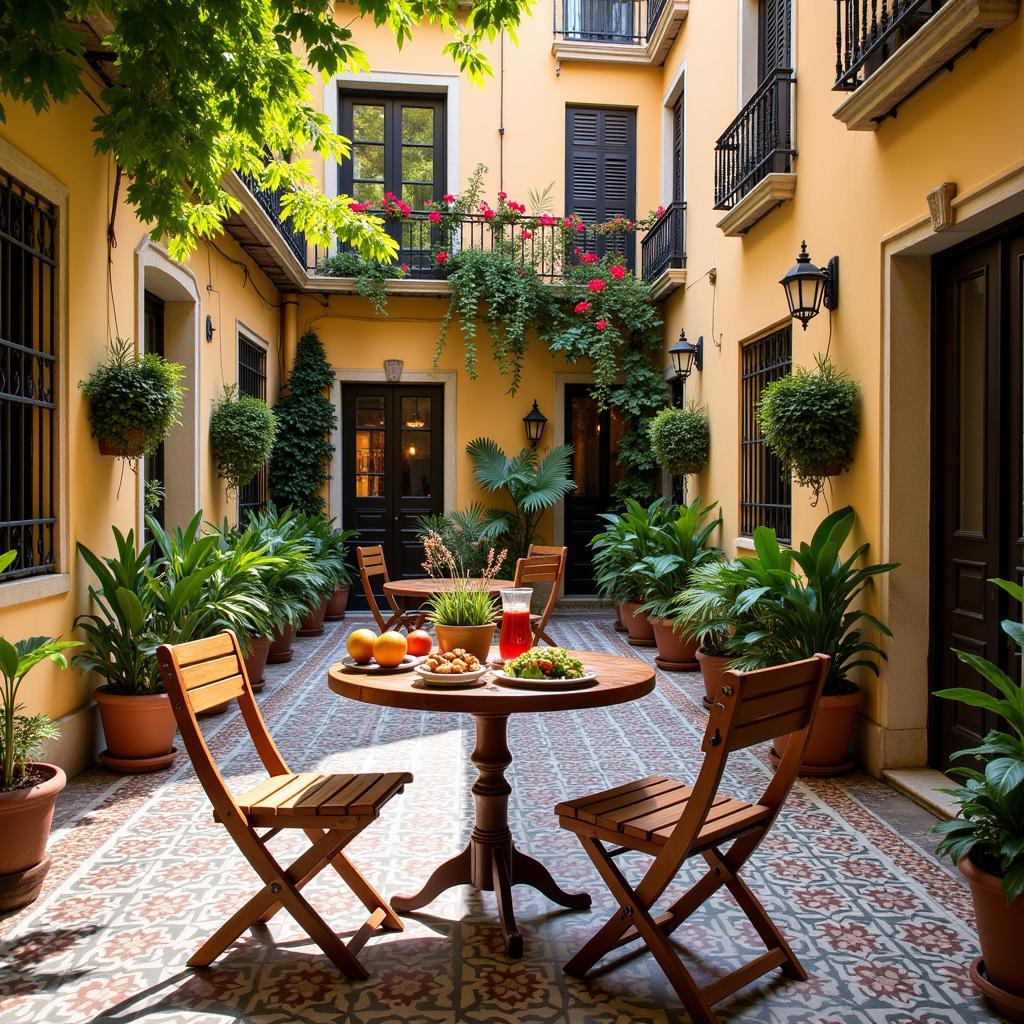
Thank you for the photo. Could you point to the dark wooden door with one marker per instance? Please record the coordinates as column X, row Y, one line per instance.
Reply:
column 977, row 473
column 594, row 435
column 153, row 470
column 392, row 467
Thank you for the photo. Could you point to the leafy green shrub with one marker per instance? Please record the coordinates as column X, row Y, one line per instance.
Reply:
column 371, row 276
column 305, row 419
column 628, row 538
column 811, row 420
column 681, row 439
column 133, row 400
column 242, row 431
column 462, row 532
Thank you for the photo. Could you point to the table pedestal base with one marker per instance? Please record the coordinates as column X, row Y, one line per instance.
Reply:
column 491, row 861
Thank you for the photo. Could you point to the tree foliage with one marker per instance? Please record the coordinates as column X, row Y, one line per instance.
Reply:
column 201, row 88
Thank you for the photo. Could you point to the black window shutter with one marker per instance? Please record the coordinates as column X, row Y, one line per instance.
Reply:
column 677, row 151
column 774, row 36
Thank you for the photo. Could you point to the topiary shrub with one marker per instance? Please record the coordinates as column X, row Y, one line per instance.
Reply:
column 811, row 420
column 133, row 400
column 242, row 431
column 305, row 419
column 681, row 439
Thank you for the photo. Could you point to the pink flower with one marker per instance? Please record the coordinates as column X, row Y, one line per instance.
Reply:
column 618, row 272
column 527, row 234
column 601, row 324
column 448, row 198
column 503, row 195
column 434, row 217
column 589, row 257
column 546, row 220
column 441, row 257
column 488, row 214
column 581, row 226
column 582, row 307
column 567, row 222
column 660, row 211
column 404, row 268
column 596, row 285
column 576, row 250
column 390, row 195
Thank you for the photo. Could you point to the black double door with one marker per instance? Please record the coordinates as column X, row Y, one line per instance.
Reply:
column 392, row 467
column 979, row 518
column 594, row 435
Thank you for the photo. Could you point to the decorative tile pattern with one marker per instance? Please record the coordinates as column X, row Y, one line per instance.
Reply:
column 141, row 876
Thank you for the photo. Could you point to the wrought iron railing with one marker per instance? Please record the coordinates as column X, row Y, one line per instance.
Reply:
column 759, row 141
column 868, row 32
column 270, row 202
column 664, row 246
column 607, row 21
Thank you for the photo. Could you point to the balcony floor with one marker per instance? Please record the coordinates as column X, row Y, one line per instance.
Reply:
column 141, row 876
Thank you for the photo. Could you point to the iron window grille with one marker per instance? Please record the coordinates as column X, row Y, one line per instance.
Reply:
column 28, row 378
column 252, row 380
column 765, row 487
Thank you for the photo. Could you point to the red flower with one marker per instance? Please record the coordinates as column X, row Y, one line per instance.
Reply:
column 589, row 257
column 618, row 272
column 567, row 222
column 434, row 217
column 488, row 214
column 441, row 257
column 527, row 234
column 547, row 220
column 390, row 195
column 582, row 307
column 601, row 324
column 660, row 211
column 596, row 285
column 503, row 195
column 576, row 250
column 404, row 268
column 580, row 226
column 359, row 207
column 448, row 197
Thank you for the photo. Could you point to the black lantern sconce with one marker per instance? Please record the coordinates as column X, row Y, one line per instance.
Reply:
column 808, row 287
column 535, row 421
column 686, row 357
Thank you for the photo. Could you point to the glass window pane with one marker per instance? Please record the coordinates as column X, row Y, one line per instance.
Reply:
column 417, row 195
column 369, row 463
column 368, row 162
column 586, row 446
column 971, row 403
column 367, row 123
column 416, row 413
column 370, row 411
column 371, row 192
column 416, row 463
column 418, row 124
column 417, row 163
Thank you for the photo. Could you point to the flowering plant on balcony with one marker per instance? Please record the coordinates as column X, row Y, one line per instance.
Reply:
column 371, row 276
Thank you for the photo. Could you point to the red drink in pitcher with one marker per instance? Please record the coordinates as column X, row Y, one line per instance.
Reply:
column 516, row 635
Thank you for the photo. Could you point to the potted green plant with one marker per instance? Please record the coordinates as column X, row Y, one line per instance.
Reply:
column 682, row 546
column 328, row 551
column 811, row 420
column 242, row 431
column 340, row 548
column 28, row 788
column 463, row 613
column 986, row 838
column 681, row 439
column 133, row 400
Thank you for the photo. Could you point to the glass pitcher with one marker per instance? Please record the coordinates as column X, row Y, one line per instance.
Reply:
column 516, row 634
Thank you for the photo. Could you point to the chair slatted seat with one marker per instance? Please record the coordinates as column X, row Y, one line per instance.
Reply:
column 372, row 564
column 332, row 809
column 542, row 565
column 672, row 822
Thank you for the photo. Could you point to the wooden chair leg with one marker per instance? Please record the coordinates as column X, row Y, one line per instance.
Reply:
column 366, row 893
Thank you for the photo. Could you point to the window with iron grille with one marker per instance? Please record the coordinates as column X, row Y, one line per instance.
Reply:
column 252, row 380
column 765, row 487
column 28, row 379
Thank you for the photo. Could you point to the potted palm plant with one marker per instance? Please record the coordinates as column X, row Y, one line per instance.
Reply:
column 986, row 838
column 28, row 788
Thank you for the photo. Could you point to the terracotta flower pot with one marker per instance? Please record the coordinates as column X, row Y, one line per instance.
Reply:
column 281, row 646
column 475, row 640
column 711, row 668
column 132, row 450
column 139, row 731
column 638, row 626
column 337, row 604
column 828, row 749
column 620, row 626
column 25, row 817
column 257, row 661
column 676, row 652
column 1001, row 936
column 313, row 623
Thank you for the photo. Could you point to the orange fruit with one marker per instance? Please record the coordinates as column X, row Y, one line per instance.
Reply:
column 419, row 643
column 360, row 645
column 389, row 649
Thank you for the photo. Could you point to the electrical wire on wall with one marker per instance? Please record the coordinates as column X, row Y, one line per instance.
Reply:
column 210, row 290
column 712, row 276
column 501, row 113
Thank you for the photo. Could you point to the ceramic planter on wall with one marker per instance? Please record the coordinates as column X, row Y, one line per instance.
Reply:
column 997, row 972
column 281, row 645
column 638, row 626
column 676, row 651
column 828, row 748
column 337, row 604
column 475, row 640
column 139, row 731
column 711, row 668
column 25, row 817
column 313, row 623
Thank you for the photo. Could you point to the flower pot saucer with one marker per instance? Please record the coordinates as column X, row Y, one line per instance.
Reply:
column 817, row 771
column 676, row 666
column 640, row 643
column 137, row 765
column 20, row 888
column 1009, row 1004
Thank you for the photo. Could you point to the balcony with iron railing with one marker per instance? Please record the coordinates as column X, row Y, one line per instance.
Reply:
column 632, row 31
column 886, row 50
column 754, row 156
column 663, row 251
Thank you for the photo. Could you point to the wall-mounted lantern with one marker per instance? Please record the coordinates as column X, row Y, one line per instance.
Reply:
column 534, row 421
column 809, row 287
column 686, row 357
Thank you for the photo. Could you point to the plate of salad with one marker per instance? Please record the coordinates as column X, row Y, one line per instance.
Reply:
column 547, row 667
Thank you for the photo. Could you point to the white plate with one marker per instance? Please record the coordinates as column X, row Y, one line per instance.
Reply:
column 407, row 664
column 589, row 677
column 450, row 679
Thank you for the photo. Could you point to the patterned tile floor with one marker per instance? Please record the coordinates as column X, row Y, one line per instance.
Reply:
column 141, row 875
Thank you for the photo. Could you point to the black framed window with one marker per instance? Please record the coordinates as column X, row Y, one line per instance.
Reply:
column 29, row 303
column 252, row 380
column 765, row 487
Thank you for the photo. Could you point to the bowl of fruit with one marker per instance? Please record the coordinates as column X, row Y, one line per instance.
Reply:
column 549, row 668
column 452, row 669
column 389, row 652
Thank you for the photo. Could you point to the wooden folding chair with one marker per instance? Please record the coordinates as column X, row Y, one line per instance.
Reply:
column 331, row 809
column 542, row 565
column 371, row 564
column 672, row 823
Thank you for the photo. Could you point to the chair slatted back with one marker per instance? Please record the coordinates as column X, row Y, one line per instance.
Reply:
column 371, row 562
column 542, row 565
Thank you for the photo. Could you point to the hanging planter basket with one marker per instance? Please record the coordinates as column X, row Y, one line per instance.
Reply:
column 134, row 445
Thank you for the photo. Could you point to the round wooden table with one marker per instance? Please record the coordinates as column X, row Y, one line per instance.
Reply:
column 491, row 861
